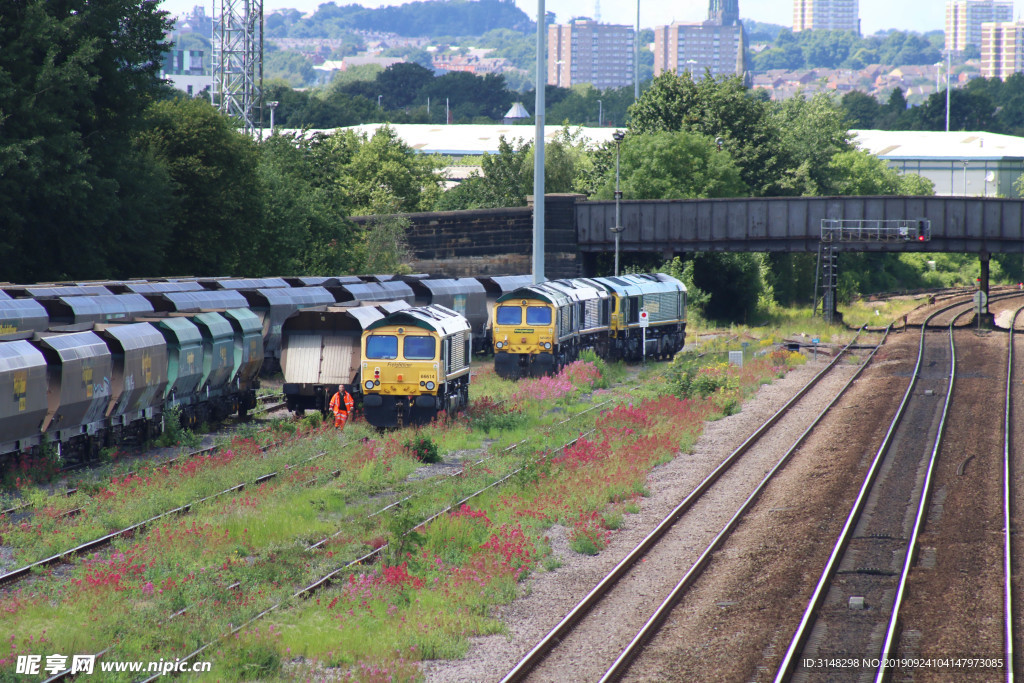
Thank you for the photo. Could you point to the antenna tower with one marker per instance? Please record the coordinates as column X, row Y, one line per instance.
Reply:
column 597, row 11
column 238, row 61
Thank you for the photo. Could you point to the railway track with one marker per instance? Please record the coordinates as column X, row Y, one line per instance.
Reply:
column 607, row 628
column 855, row 608
column 331, row 577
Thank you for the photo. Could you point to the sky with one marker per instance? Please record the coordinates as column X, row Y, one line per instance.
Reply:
column 917, row 15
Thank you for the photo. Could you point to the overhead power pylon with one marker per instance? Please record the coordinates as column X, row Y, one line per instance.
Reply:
column 238, row 61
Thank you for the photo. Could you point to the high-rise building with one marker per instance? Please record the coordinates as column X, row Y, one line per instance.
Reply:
column 965, row 17
column 584, row 51
column 1002, row 49
column 830, row 15
column 715, row 45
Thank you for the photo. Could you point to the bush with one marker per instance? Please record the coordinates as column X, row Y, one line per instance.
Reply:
column 488, row 415
column 174, row 434
column 423, row 449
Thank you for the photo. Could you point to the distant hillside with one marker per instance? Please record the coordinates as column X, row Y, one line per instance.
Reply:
column 415, row 19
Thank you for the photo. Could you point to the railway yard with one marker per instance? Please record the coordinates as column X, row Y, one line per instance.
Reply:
column 853, row 505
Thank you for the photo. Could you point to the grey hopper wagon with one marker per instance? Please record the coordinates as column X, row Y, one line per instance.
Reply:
column 79, row 370
column 274, row 306
column 138, row 377
column 54, row 291
column 23, row 404
column 72, row 310
column 19, row 316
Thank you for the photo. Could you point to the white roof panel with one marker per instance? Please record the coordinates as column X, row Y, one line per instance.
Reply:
column 921, row 144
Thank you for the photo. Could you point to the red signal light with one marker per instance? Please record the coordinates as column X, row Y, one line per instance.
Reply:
column 920, row 238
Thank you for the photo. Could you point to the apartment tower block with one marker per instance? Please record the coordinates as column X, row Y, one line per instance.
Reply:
column 965, row 17
column 715, row 45
column 830, row 15
column 584, row 51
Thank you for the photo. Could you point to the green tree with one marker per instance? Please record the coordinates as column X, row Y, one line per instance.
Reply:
column 719, row 108
column 813, row 132
column 218, row 215
column 310, row 232
column 384, row 172
column 860, row 109
column 75, row 77
column 860, row 173
column 673, row 165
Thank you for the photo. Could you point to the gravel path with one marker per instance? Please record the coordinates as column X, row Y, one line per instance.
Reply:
column 550, row 595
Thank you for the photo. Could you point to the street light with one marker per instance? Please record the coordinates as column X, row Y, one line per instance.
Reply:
column 273, row 106
column 617, row 229
column 949, row 72
column 689, row 67
column 600, row 113
column 378, row 101
column 558, row 72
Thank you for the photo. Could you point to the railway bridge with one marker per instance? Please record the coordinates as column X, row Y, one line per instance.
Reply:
column 499, row 241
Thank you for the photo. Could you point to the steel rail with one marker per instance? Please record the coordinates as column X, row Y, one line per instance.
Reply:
column 21, row 572
column 327, row 579
column 1007, row 503
column 921, row 515
column 621, row 665
column 803, row 630
column 533, row 658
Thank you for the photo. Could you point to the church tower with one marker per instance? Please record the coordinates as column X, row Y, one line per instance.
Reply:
column 724, row 12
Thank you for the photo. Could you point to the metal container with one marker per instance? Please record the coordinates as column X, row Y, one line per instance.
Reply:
column 373, row 291
column 243, row 283
column 22, row 396
column 70, row 310
column 320, row 350
column 22, row 315
column 155, row 287
column 79, row 371
column 273, row 306
column 184, row 358
column 53, row 291
column 248, row 358
column 218, row 351
column 196, row 301
column 139, row 379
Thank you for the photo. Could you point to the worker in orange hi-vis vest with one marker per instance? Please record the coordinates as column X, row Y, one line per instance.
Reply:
column 341, row 405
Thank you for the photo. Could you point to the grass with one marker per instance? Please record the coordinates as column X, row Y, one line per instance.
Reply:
column 436, row 590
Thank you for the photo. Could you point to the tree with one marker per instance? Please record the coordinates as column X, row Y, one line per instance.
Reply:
column 719, row 108
column 860, row 173
column 673, row 165
column 384, row 173
column 218, row 215
column 75, row 77
column 860, row 109
column 813, row 132
column 310, row 233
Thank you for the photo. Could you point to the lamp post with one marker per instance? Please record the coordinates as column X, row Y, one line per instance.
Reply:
column 689, row 67
column 964, row 162
column 949, row 72
column 273, row 106
column 600, row 113
column 938, row 73
column 617, row 229
column 558, row 72
column 378, row 101
column 636, row 55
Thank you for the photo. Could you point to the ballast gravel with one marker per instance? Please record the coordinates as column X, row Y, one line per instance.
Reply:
column 548, row 596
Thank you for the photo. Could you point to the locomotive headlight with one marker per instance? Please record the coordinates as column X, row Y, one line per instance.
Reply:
column 369, row 384
column 498, row 345
column 547, row 345
column 430, row 386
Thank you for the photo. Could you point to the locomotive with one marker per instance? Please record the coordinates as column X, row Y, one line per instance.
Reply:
column 415, row 365
column 538, row 329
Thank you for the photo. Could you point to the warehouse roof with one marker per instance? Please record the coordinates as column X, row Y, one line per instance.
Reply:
column 956, row 145
column 464, row 139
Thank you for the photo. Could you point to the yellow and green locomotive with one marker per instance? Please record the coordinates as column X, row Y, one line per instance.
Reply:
column 539, row 328
column 415, row 365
